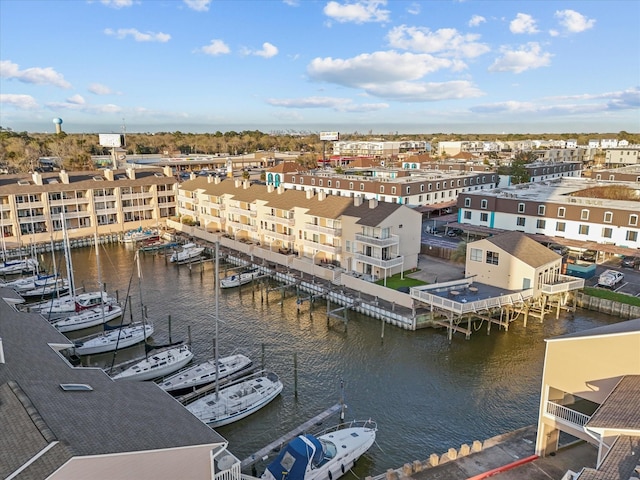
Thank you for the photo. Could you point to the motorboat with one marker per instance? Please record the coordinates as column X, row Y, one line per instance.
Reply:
column 140, row 235
column 116, row 339
column 327, row 455
column 69, row 304
column 204, row 373
column 239, row 278
column 15, row 267
column 158, row 364
column 237, row 400
column 89, row 318
column 189, row 251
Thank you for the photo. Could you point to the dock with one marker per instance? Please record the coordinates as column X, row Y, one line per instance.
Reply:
column 276, row 445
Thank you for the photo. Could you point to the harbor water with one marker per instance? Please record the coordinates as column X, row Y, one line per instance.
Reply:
column 426, row 394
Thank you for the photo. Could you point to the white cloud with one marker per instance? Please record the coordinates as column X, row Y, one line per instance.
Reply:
column 476, row 20
column 523, row 23
column 35, row 75
column 117, row 3
column 333, row 103
column 22, row 102
column 447, row 41
column 618, row 100
column 425, row 91
column 414, row 8
column 138, row 36
column 574, row 22
column 198, row 5
column 268, row 50
column 76, row 100
column 99, row 89
column 362, row 11
column 527, row 57
column 84, row 107
column 215, row 48
column 291, row 3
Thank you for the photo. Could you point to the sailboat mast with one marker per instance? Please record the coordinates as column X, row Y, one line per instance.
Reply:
column 67, row 254
column 217, row 312
column 95, row 236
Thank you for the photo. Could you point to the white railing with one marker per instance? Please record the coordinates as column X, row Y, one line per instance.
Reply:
column 379, row 262
column 378, row 242
column 566, row 414
column 312, row 227
column 281, row 220
column 322, row 247
column 457, row 306
column 565, row 283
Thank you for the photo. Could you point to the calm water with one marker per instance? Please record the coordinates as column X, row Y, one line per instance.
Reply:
column 426, row 395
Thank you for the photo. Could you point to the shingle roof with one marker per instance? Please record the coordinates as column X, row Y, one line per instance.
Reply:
column 87, row 423
column 522, row 247
column 629, row 326
column 619, row 463
column 621, row 409
column 288, row 167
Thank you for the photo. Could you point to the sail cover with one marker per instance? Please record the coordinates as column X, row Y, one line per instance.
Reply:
column 291, row 463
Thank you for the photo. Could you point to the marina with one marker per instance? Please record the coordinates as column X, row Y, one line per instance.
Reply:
column 427, row 394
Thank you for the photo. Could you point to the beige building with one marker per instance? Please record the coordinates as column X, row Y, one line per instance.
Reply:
column 512, row 261
column 32, row 206
column 591, row 390
column 363, row 236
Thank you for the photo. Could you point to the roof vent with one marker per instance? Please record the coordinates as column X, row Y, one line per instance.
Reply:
column 76, row 387
column 98, row 178
column 23, row 182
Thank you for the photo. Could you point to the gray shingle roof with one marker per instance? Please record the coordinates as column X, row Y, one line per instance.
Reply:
column 114, row 417
column 629, row 326
column 621, row 409
column 524, row 248
column 619, row 463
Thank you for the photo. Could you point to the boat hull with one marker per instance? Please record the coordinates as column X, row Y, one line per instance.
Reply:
column 157, row 365
column 239, row 279
column 111, row 340
column 89, row 318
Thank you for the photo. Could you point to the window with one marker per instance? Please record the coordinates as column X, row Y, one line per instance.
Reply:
column 467, row 215
column 430, row 186
column 393, row 190
column 313, row 181
column 608, row 217
column 632, row 235
column 350, row 185
column 381, row 188
column 408, row 191
column 492, row 258
column 483, row 204
column 540, row 223
column 607, row 232
column 320, row 183
column 520, row 221
column 560, row 226
column 521, row 208
column 362, row 186
column 467, row 202
column 328, row 183
column 484, row 217
column 337, row 183
column 541, row 209
column 422, row 187
column 633, row 219
column 561, row 212
column 293, row 179
column 584, row 214
column 583, row 229
column 475, row 255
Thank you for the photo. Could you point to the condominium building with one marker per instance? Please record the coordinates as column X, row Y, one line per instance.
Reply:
column 364, row 236
column 378, row 149
column 572, row 208
column 33, row 206
column 623, row 156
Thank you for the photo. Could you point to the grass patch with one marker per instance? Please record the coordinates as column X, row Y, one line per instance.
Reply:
column 396, row 282
column 609, row 295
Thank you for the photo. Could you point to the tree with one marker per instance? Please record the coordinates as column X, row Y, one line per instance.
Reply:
column 459, row 255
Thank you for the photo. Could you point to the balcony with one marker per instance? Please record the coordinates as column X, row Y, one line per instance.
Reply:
column 280, row 236
column 379, row 262
column 239, row 211
column 378, row 242
column 322, row 247
column 280, row 220
column 237, row 226
column 312, row 227
column 566, row 415
column 104, row 198
column 565, row 283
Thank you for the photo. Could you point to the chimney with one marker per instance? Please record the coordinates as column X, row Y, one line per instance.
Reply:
column 309, row 193
column 64, row 176
column 216, row 180
column 238, row 183
column 270, row 188
column 280, row 189
column 131, row 173
column 373, row 203
column 357, row 200
column 322, row 195
column 210, row 178
column 192, row 176
column 108, row 174
column 37, row 178
column 167, row 171
column 245, row 184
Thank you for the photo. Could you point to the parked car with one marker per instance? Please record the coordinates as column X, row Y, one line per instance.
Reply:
column 630, row 261
column 454, row 232
column 610, row 278
column 589, row 255
column 559, row 249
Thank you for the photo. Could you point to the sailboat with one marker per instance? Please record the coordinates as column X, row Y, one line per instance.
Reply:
column 239, row 399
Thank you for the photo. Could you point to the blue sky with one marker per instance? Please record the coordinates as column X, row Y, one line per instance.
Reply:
column 459, row 66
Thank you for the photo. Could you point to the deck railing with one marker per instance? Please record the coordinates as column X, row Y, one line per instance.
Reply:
column 567, row 414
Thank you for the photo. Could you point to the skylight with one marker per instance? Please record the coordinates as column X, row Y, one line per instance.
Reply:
column 76, row 387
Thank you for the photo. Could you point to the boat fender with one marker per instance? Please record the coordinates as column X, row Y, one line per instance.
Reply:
column 330, row 476
column 342, row 468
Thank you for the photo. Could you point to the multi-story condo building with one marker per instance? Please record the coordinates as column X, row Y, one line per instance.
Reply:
column 378, row 149
column 33, row 206
column 572, row 208
column 406, row 187
column 364, row 236
column 622, row 156
column 630, row 173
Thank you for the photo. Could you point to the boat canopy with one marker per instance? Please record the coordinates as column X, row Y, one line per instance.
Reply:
column 293, row 460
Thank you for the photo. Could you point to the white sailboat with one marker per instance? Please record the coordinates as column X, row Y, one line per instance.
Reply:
column 89, row 318
column 111, row 340
column 15, row 267
column 68, row 304
column 239, row 399
column 157, row 364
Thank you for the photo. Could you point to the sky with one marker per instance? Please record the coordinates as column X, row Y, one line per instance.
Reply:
column 366, row 66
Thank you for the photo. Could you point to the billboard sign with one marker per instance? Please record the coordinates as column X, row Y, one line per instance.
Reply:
column 113, row 140
column 329, row 136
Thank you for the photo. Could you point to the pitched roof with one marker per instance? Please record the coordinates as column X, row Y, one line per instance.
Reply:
column 524, row 248
column 629, row 326
column 288, row 167
column 621, row 409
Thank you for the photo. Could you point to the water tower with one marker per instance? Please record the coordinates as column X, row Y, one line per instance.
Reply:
column 58, row 123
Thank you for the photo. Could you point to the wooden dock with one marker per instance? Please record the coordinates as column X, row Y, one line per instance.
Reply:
column 276, row 445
